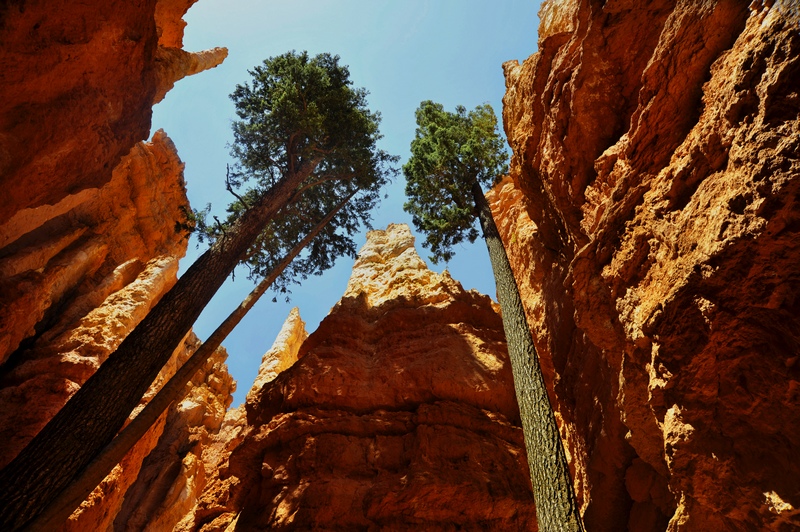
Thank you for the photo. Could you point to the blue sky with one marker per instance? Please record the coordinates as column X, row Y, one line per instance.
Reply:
column 401, row 51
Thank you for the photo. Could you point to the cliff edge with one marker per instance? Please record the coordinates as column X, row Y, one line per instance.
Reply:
column 652, row 221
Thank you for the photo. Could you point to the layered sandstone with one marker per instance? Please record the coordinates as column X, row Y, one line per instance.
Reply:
column 652, row 222
column 159, row 479
column 398, row 413
column 77, row 297
column 173, row 475
column 93, row 221
column 57, row 273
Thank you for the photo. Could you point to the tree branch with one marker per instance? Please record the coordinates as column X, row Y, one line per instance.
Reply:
column 229, row 186
column 318, row 182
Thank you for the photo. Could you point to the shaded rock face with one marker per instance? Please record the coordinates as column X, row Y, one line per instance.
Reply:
column 79, row 82
column 81, row 295
column 159, row 479
column 652, row 221
column 77, row 297
column 173, row 474
column 398, row 413
column 92, row 222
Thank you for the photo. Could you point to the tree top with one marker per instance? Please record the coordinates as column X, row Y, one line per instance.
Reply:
column 449, row 153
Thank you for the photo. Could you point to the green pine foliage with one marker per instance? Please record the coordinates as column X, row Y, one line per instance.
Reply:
column 294, row 110
column 452, row 156
column 449, row 152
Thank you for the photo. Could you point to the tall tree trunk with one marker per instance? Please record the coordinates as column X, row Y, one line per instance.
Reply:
column 91, row 418
column 556, row 506
column 57, row 512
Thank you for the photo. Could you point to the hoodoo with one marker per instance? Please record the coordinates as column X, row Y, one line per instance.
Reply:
column 399, row 412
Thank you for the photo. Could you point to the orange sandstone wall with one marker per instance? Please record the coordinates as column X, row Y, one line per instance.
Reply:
column 85, row 282
column 652, row 221
column 399, row 413
column 90, row 215
column 79, row 82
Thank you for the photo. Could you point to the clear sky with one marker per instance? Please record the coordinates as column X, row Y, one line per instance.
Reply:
column 401, row 51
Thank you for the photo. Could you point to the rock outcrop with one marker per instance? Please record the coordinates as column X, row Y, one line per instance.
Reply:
column 81, row 284
column 79, row 82
column 93, row 221
column 159, row 479
column 75, row 298
column 398, row 413
column 173, row 475
column 57, row 273
column 652, row 221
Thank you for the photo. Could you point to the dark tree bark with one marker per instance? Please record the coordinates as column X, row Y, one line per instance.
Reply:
column 91, row 418
column 76, row 492
column 554, row 495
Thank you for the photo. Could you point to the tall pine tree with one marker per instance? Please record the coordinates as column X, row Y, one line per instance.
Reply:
column 302, row 125
column 452, row 155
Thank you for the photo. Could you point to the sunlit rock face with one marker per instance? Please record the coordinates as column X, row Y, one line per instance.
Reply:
column 399, row 413
column 652, row 221
column 70, row 264
column 173, row 475
column 82, row 294
column 75, row 298
column 159, row 480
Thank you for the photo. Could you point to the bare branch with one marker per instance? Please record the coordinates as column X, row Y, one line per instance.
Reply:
column 229, row 186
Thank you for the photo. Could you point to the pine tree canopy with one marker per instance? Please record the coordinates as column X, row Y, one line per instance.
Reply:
column 298, row 109
column 449, row 153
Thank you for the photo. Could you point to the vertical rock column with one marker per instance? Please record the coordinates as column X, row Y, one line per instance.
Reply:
column 399, row 412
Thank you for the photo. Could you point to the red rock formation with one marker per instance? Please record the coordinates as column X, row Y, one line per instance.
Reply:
column 282, row 354
column 90, row 220
column 84, row 293
column 173, row 474
column 79, row 81
column 158, row 480
column 652, row 220
column 651, row 217
column 399, row 413
column 74, row 261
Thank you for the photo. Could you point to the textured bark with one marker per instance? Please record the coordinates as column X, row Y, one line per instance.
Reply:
column 92, row 417
column 72, row 496
column 556, row 506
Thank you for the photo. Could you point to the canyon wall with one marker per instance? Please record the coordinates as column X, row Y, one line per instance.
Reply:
column 651, row 217
column 652, row 220
column 79, row 83
column 93, row 219
column 398, row 413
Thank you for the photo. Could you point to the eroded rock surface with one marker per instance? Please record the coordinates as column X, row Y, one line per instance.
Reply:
column 173, row 475
column 119, row 257
column 652, row 222
column 75, row 305
column 93, row 221
column 79, row 82
column 399, row 413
